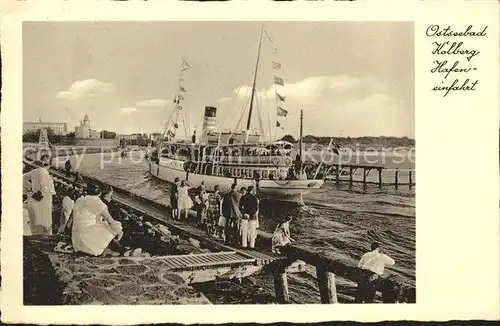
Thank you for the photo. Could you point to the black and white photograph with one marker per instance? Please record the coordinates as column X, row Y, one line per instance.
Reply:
column 218, row 162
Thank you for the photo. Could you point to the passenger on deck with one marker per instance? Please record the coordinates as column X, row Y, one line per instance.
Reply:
column 26, row 216
column 249, row 206
column 40, row 203
column 174, row 195
column 281, row 235
column 67, row 206
column 184, row 202
column 372, row 263
column 214, row 213
column 93, row 226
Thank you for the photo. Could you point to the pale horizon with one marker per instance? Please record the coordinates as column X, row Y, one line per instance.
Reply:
column 351, row 79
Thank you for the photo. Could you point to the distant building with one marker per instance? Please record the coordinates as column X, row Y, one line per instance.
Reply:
column 84, row 131
column 59, row 128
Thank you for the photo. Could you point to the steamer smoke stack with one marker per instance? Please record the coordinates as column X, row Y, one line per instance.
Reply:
column 209, row 121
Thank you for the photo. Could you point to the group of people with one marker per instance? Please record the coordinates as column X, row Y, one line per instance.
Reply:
column 86, row 217
column 233, row 216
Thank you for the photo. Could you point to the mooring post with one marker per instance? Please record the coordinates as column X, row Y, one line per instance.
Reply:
column 410, row 179
column 380, row 178
column 326, row 284
column 396, row 177
column 364, row 178
column 350, row 177
column 337, row 177
column 281, row 285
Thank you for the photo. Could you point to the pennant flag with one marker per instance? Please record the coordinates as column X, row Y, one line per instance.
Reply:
column 176, row 100
column 182, row 89
column 278, row 124
column 170, row 133
column 180, row 97
column 185, row 66
column 281, row 98
column 282, row 112
column 276, row 65
column 279, row 81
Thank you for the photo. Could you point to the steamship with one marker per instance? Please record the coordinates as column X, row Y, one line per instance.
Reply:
column 274, row 168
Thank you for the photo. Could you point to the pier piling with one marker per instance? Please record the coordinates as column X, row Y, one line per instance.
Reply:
column 396, row 177
column 337, row 177
column 410, row 178
column 350, row 177
column 379, row 178
column 281, row 286
column 326, row 284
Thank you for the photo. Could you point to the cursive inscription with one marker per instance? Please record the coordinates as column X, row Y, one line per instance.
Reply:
column 454, row 58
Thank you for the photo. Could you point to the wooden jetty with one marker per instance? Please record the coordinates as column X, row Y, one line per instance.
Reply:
column 239, row 263
column 344, row 173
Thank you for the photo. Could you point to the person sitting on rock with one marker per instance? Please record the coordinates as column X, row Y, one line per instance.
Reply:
column 93, row 226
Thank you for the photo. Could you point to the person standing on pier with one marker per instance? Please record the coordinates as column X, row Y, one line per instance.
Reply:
column 68, row 167
column 184, row 202
column 174, row 195
column 372, row 263
column 232, row 213
column 249, row 206
column 40, row 203
column 213, row 212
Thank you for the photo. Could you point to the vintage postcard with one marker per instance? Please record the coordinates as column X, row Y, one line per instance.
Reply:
column 257, row 157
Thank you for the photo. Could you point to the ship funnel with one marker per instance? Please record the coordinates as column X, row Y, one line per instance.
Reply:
column 209, row 121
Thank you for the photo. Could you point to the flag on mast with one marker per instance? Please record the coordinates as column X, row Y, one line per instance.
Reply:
column 276, row 65
column 280, row 97
column 185, row 66
column 279, row 81
column 182, row 89
column 281, row 112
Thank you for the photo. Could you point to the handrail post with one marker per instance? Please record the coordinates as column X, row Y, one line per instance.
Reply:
column 326, row 284
column 350, row 177
column 380, row 178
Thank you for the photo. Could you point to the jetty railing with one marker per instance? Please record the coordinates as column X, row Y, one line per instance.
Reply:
column 392, row 289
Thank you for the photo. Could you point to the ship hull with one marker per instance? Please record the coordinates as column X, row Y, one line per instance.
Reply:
column 286, row 190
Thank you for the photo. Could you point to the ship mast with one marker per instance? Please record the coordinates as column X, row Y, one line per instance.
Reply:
column 253, row 85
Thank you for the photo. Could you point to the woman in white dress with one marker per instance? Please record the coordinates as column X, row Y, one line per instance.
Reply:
column 184, row 202
column 40, row 204
column 93, row 226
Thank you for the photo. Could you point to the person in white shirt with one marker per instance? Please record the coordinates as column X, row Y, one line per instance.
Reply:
column 372, row 263
column 40, row 204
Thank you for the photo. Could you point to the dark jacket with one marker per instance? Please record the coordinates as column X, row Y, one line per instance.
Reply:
column 249, row 204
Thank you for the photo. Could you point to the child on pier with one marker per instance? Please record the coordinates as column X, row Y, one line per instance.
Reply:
column 281, row 235
column 184, row 202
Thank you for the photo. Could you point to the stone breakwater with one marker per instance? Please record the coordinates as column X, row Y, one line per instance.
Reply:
column 81, row 280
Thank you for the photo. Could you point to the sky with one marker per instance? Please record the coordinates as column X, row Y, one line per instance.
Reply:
column 349, row 78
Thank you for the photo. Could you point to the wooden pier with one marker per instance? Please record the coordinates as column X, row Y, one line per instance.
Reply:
column 345, row 174
column 239, row 263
